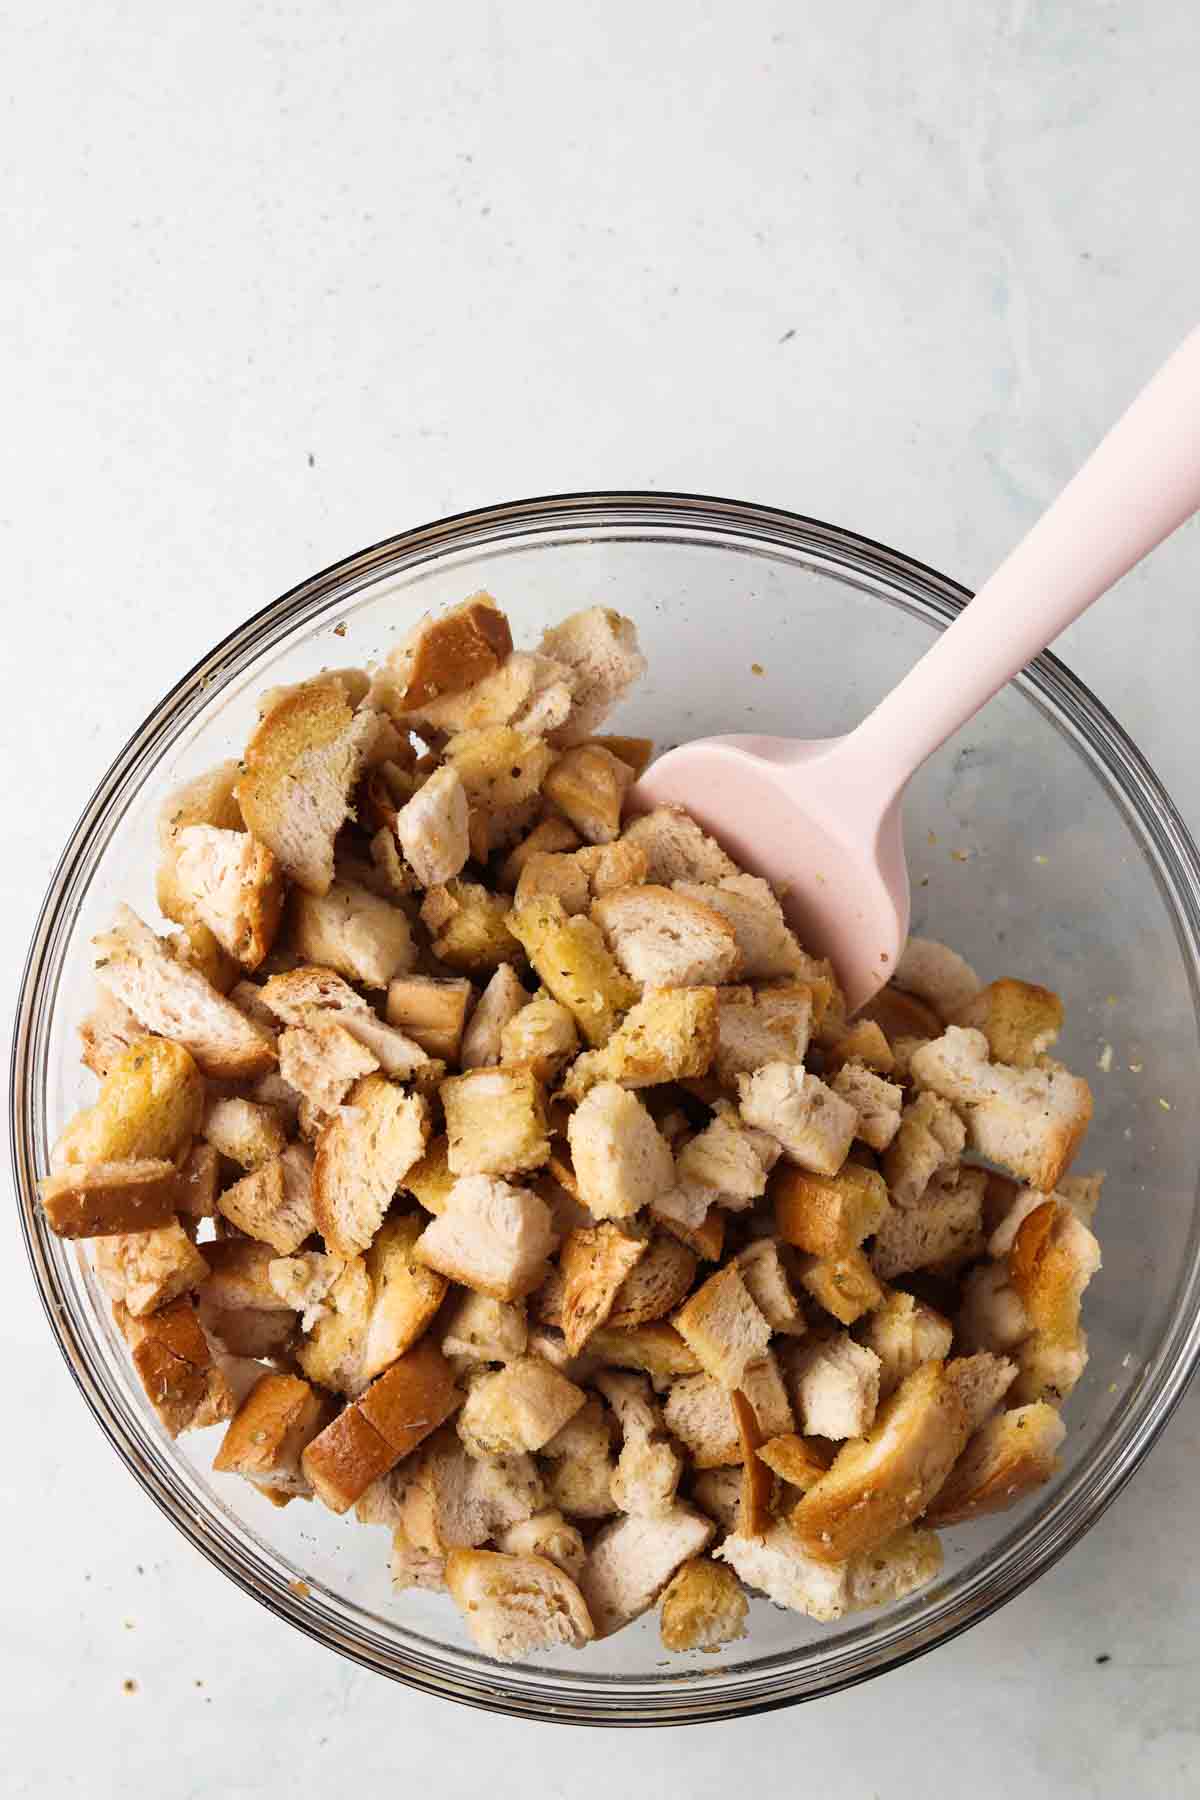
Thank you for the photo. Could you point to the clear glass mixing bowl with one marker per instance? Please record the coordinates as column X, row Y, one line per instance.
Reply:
column 1040, row 844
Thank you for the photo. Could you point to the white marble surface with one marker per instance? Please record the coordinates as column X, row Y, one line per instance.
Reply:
column 283, row 278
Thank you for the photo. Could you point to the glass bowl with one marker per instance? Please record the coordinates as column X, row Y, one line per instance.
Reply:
column 1040, row 843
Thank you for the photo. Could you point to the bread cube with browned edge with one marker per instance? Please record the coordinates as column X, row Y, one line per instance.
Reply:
column 827, row 1215
column 769, row 1285
column 649, row 1466
column 929, row 1142
column 468, row 926
column 1010, row 1456
column 500, row 1002
column 482, row 1330
column 397, row 1412
column 551, row 836
column 622, row 1162
column 575, row 966
column 442, row 655
column 146, row 1270
column 234, row 885
column 703, row 1607
column 308, row 997
column 594, row 1262
column 846, row 1286
column 632, row 1559
column 903, row 1332
column 756, row 1026
column 354, row 932
column 243, row 1131
column 664, row 938
column 670, row 1035
column 299, row 770
column 778, row 1566
column 814, row 1125
column 542, row 1036
column 495, row 1122
column 322, row 1061
column 718, row 1492
column 835, row 1383
column 655, row 1347
column 723, row 1327
column 862, row 1045
column 269, row 1432
column 207, row 799
column 766, row 946
column 794, row 1460
column 588, row 785
column 676, row 849
column 239, row 1275
column 173, row 1000
column 432, row 828
column 944, row 1229
column 176, row 1366
column 106, row 1198
column 517, row 1408
column 1019, row 1019
column 937, row 975
column 529, row 692
column 362, row 1157
column 599, row 648
column 514, row 1606
column 491, row 1237
column 698, row 1412
column 728, row 1161
column 658, row 1281
column 1030, row 1121
column 884, row 1481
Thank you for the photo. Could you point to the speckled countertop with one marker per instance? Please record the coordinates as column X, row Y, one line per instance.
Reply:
column 286, row 277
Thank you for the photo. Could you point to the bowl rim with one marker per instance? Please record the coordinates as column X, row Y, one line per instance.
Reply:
column 1049, row 684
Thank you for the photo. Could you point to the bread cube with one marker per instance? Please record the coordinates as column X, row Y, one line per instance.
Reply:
column 322, row 1061
column 621, row 1160
column 659, row 1278
column 432, row 1011
column 769, row 1286
column 430, row 1180
column 600, row 649
column 836, row 1387
column 910, row 1559
column 480, row 1329
column 827, row 1215
column 877, row 1102
column 729, row 1160
column 491, row 1237
column 267, row 1435
column 547, row 1534
column 903, row 1333
column 593, row 1262
column 937, row 975
column 110, row 1197
column 588, row 785
column 1019, row 1020
column 541, row 1036
column 549, row 837
column 930, row 1140
column 723, row 1327
column 756, row 1026
column 570, row 957
column 579, row 1464
column 795, row 1460
column 363, row 1156
column 176, row 1367
column 468, row 926
column 517, row 1408
column 146, row 1270
column 815, row 1126
column 502, row 999
column 670, row 1034
column 779, row 1567
column 275, row 1203
column 1052, row 1259
column 991, row 1316
column 655, row 1347
column 495, row 1122
column 632, row 1559
column 946, row 1227
column 515, row 1606
column 703, row 1607
column 664, row 938
column 844, row 1285
column 443, row 655
column 352, row 931
column 311, row 997
column 676, row 849
column 766, row 947
column 244, row 1132
column 864, row 1044
column 1007, row 1458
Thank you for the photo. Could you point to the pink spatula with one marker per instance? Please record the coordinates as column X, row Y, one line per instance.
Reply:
column 821, row 819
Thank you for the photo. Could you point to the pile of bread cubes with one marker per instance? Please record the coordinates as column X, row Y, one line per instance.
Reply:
column 498, row 1164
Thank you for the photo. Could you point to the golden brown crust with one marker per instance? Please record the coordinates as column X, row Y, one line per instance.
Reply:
column 799, row 1461
column 175, row 1366
column 846, row 1286
column 1008, row 1457
column 703, row 1607
column 656, row 1284
column 268, row 1432
column 827, row 1215
column 343, row 1460
column 706, row 1240
column 1046, row 1269
column 108, row 1198
column 149, row 1106
column 445, row 655
column 593, row 1262
column 1019, row 1019
column 754, row 1506
column 657, row 1348
column 574, row 963
column 413, row 1397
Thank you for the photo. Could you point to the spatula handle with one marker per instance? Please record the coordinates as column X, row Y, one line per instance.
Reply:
column 1138, row 486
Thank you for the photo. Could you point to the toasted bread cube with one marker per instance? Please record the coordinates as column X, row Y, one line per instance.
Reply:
column 836, row 1387
column 412, row 1398
column 632, row 1560
column 243, row 1131
column 502, row 999
column 175, row 1001
column 621, row 1160
column 991, row 1316
column 729, row 1160
column 815, row 1126
column 655, row 1285
column 268, row 1434
column 430, row 1180
column 862, row 1043
column 931, row 1139
column 876, row 1101
column 769, row 1286
column 669, row 1035
column 309, row 997
column 611, row 866
column 468, row 926
column 886, row 1480
column 703, row 1607
column 664, row 938
column 529, row 692
column 322, row 1061
column 363, row 1155
column 405, row 1294
column 689, row 1215
column 936, row 975
column 491, row 1237
column 110, row 1197
column 1019, row 1020
column 547, row 1534
column 698, row 1412
column 981, row 1382
column 345, row 1459
column 549, row 877
column 146, row 1270
column 1047, row 1370
column 176, row 1367
column 541, row 1036
column 495, row 1121
column 275, row 1203
column 107, row 1032
column 300, row 767
column 718, row 1492
column 778, row 1566
column 766, row 946
column 676, row 849
column 900, row 1015
column 1030, row 1121
column 903, row 1333
column 636, row 752
column 239, row 1276
column 197, row 1182
column 1008, row 1457
column 480, row 1329
column 946, row 1227
column 432, row 828
column 757, row 1026
column 518, row 1408
column 580, row 1464
column 754, row 1501
column 432, row 1011
column 196, row 947
column 570, row 956
column 600, row 649
column 594, row 1262
column 1013, row 1204
column 515, row 1606
column 844, row 1285
column 909, row 1560
column 454, row 1502
column 304, row 1281
column 724, row 1328
column 550, row 836
column 655, row 1347
column 795, row 1460
column 827, row 1215
column 352, row 931
column 333, row 1351
column 234, row 885
column 500, row 769
column 588, row 784
column 1052, row 1259
column 443, row 655
column 649, row 1467
column 208, row 799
